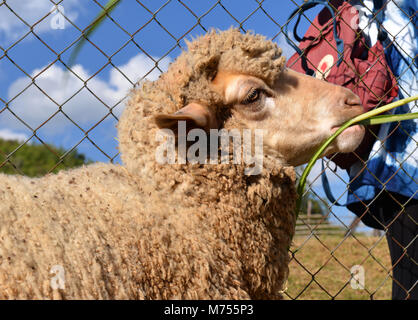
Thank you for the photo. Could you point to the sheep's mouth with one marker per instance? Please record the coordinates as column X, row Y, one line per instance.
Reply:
column 352, row 129
column 347, row 115
column 349, row 139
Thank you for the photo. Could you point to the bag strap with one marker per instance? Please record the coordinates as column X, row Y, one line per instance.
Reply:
column 298, row 12
column 327, row 188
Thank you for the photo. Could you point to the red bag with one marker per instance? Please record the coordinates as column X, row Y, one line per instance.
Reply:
column 363, row 70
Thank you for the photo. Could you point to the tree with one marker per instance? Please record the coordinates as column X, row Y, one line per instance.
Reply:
column 36, row 160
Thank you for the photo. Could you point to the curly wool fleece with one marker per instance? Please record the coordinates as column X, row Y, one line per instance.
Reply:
column 151, row 231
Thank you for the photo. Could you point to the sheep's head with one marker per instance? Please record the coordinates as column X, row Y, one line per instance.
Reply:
column 234, row 80
column 297, row 113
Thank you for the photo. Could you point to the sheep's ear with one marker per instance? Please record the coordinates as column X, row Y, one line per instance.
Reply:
column 195, row 115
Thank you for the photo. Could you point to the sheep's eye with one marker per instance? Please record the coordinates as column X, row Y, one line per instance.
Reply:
column 252, row 96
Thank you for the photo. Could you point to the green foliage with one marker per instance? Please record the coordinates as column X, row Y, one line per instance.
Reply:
column 94, row 25
column 36, row 160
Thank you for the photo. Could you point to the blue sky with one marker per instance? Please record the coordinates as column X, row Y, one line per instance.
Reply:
column 101, row 65
column 34, row 56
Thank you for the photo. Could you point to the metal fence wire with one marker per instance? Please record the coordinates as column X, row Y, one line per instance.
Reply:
column 330, row 258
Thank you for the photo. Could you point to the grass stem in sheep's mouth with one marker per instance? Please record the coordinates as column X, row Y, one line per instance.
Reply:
column 372, row 117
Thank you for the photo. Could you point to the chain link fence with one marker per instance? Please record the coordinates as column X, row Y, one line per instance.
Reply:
column 333, row 255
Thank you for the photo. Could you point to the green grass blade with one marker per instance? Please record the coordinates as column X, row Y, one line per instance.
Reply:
column 367, row 117
column 109, row 7
column 389, row 118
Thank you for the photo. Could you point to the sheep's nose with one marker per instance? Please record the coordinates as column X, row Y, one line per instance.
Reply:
column 351, row 100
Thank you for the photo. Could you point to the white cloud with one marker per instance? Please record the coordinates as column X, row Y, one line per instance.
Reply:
column 7, row 134
column 34, row 107
column 11, row 27
column 135, row 69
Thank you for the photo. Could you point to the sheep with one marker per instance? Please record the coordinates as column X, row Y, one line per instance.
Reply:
column 148, row 230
